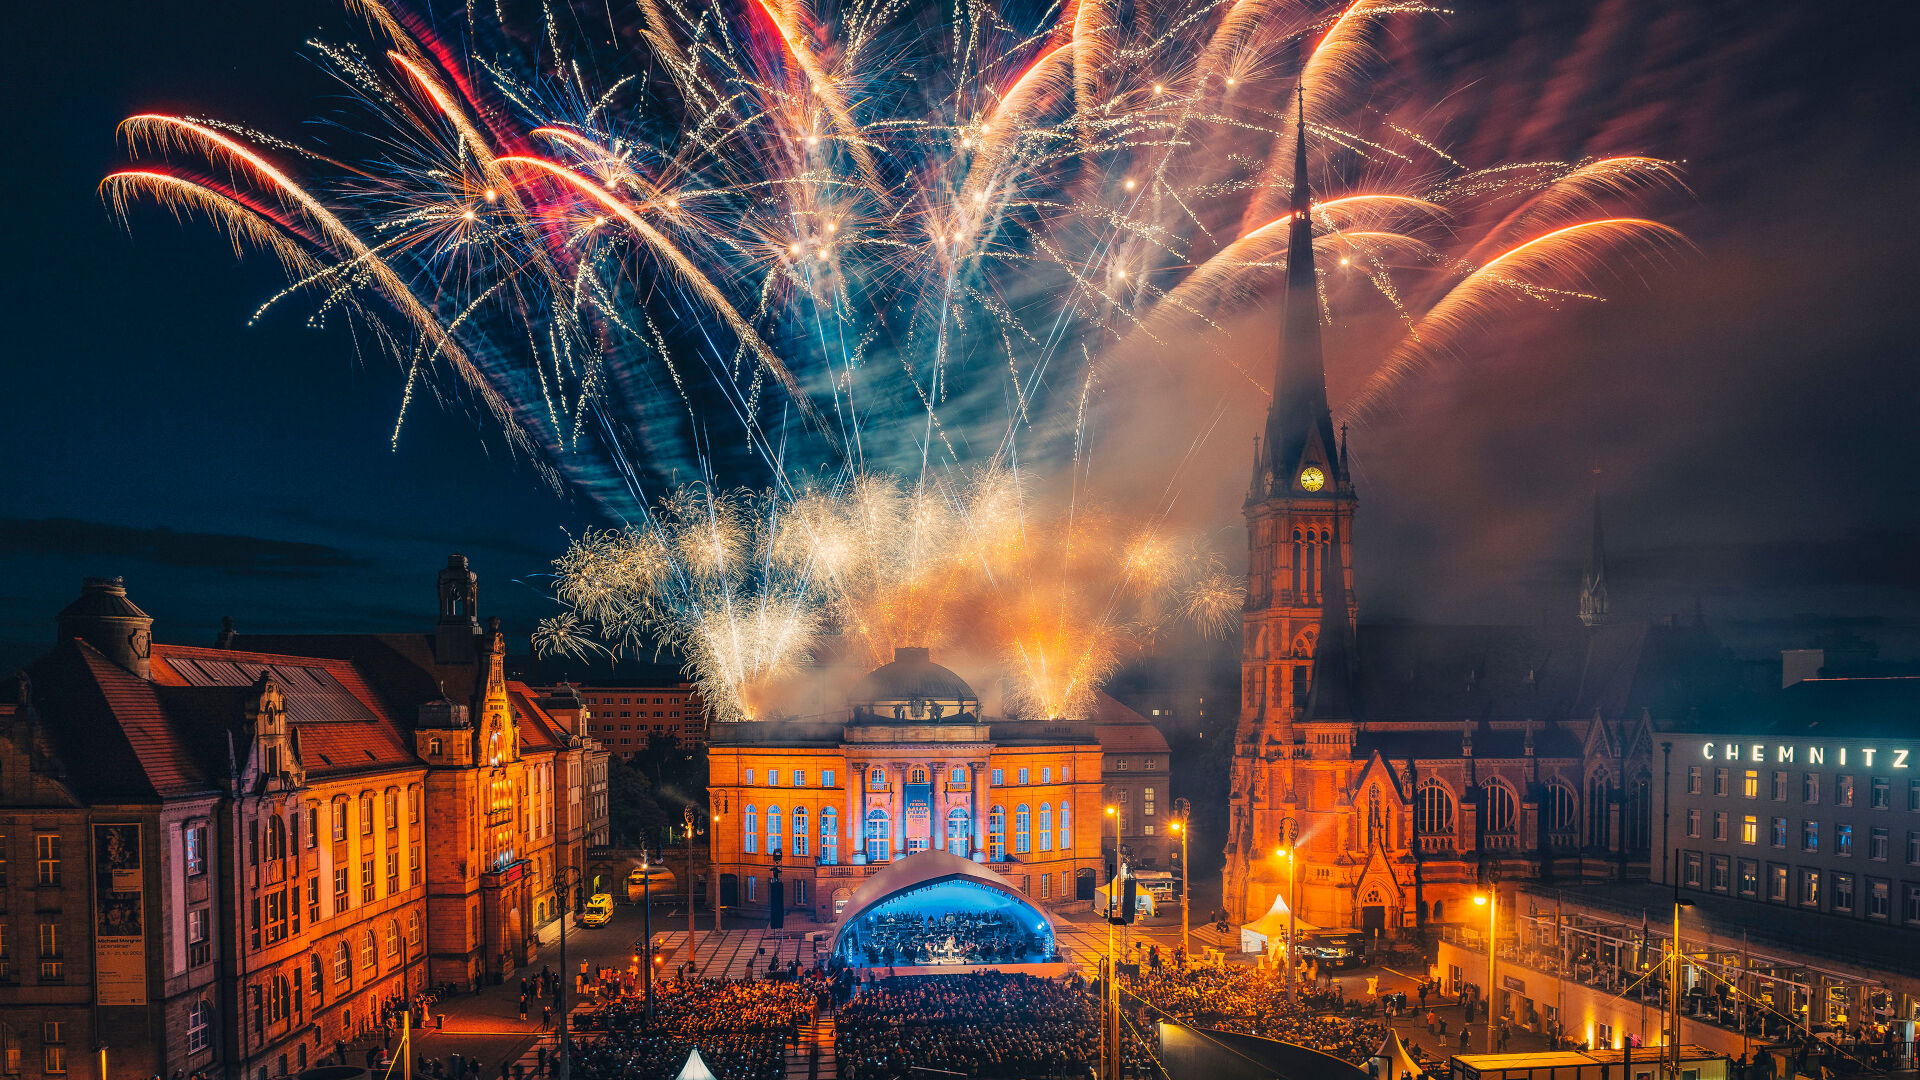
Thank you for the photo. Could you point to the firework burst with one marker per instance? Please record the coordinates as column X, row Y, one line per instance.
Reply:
column 860, row 232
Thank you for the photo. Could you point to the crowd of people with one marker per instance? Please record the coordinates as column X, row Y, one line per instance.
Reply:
column 1251, row 1001
column 886, row 939
column 741, row 1029
column 989, row 1025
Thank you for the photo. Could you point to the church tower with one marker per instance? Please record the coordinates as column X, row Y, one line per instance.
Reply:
column 1299, row 513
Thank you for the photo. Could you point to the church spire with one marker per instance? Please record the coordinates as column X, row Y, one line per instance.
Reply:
column 1299, row 424
column 1330, row 682
column 1593, row 584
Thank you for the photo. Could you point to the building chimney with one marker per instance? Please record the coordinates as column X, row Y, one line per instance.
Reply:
column 104, row 618
column 1798, row 665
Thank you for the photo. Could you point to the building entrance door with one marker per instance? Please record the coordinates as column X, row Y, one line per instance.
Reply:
column 1373, row 920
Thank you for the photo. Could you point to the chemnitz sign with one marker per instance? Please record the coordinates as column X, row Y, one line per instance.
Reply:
column 1758, row 754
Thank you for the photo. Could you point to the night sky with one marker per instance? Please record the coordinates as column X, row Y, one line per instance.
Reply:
column 1750, row 404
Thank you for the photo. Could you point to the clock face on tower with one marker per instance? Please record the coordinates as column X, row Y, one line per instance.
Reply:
column 1312, row 478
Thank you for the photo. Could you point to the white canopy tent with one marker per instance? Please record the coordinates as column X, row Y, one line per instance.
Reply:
column 1393, row 1062
column 1272, row 927
column 695, row 1068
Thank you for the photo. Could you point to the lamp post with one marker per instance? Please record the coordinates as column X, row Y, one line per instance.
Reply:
column 713, row 871
column 1110, row 989
column 646, row 921
column 686, row 818
column 1180, row 826
column 1491, row 901
column 565, row 888
column 1673, row 993
column 1285, row 854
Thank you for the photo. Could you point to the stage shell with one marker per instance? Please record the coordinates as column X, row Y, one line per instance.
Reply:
column 932, row 867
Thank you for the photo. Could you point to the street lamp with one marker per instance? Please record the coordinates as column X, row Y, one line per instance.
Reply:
column 1673, row 992
column 565, row 889
column 686, row 817
column 1180, row 826
column 1491, row 901
column 1286, row 854
column 646, row 890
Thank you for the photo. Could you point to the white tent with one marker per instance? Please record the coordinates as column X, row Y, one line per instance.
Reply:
column 695, row 1069
column 1272, row 927
column 1393, row 1060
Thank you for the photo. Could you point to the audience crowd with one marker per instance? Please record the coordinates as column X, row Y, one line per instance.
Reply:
column 1252, row 1001
column 981, row 1025
column 741, row 1028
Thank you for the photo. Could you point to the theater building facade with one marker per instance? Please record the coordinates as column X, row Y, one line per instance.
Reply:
column 821, row 803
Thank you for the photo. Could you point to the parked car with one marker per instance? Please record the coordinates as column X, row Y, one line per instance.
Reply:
column 599, row 910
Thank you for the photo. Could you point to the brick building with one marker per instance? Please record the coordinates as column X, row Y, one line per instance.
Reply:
column 229, row 859
column 623, row 715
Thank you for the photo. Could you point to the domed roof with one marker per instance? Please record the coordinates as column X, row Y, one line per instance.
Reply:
column 913, row 676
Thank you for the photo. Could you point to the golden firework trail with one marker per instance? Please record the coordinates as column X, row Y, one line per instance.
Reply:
column 905, row 250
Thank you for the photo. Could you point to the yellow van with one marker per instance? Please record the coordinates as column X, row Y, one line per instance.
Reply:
column 599, row 910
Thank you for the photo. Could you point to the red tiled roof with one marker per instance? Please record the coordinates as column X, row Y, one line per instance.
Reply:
column 342, row 724
column 538, row 730
column 169, row 767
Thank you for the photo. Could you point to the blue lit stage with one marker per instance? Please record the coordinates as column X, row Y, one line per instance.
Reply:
column 938, row 912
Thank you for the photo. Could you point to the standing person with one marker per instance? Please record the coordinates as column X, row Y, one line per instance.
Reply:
column 523, row 1005
column 1465, row 1032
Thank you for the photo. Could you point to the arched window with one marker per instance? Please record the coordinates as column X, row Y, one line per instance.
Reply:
column 1046, row 827
column 276, row 837
column 877, row 779
column 799, row 832
column 1562, row 810
column 1598, row 835
column 879, row 834
column 369, row 950
column 1022, row 829
column 199, row 1027
column 1639, row 816
column 997, row 834
column 1066, row 827
column 342, row 962
column 1299, row 563
column 750, row 825
column 393, row 937
column 830, row 836
column 277, row 999
column 413, row 928
column 960, row 777
column 314, row 981
column 959, row 830
column 919, row 776
column 1497, row 808
column 1433, row 809
column 773, row 829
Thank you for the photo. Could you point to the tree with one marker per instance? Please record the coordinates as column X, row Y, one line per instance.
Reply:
column 632, row 811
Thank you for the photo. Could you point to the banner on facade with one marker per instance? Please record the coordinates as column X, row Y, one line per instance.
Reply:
column 119, row 916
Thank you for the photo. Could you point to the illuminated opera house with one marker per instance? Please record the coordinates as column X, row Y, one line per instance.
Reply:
column 906, row 800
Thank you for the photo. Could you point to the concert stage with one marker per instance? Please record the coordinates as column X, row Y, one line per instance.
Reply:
column 937, row 913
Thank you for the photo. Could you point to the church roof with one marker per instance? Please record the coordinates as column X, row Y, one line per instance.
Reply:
column 911, row 675
column 1562, row 670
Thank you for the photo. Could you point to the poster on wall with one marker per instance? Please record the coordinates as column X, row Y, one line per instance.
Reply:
column 119, row 916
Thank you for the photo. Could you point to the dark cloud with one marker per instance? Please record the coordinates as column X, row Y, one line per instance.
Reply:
column 244, row 556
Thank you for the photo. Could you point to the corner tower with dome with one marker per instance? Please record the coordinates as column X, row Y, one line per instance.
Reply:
column 910, row 764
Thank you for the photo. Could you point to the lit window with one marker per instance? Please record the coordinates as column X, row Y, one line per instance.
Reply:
column 1750, row 784
column 1022, row 841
